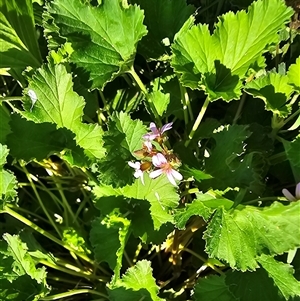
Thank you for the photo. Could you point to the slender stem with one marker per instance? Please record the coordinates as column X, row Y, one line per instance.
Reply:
column 78, row 273
column 148, row 98
column 10, row 98
column 262, row 200
column 61, row 279
column 204, row 260
column 73, row 293
column 65, row 202
column 14, row 207
column 197, row 122
column 47, row 234
column 40, row 201
column 291, row 117
column 240, row 107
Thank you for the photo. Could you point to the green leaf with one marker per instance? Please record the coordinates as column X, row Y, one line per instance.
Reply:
column 18, row 268
column 104, row 38
column 197, row 174
column 139, row 214
column 57, row 103
column 219, row 62
column 137, row 283
column 4, row 124
column 160, row 101
column 213, row 288
column 240, row 235
column 158, row 192
column 161, row 25
column 27, row 140
column 124, row 136
column 249, row 286
column 292, row 153
column 282, row 274
column 18, row 41
column 8, row 182
column 203, row 206
column 274, row 90
column 108, row 237
column 195, row 208
column 293, row 75
column 230, row 166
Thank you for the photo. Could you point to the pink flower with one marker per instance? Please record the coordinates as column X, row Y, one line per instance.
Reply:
column 165, row 167
column 138, row 172
column 289, row 196
column 157, row 133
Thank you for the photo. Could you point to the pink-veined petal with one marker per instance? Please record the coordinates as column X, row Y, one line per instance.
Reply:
column 166, row 127
column 154, row 174
column 177, row 175
column 153, row 128
column 298, row 191
column 170, row 178
column 158, row 160
column 149, row 136
column 288, row 195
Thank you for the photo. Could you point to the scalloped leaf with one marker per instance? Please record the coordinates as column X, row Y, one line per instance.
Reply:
column 274, row 90
column 282, row 275
column 124, row 136
column 158, row 192
column 57, row 103
column 136, row 284
column 104, row 38
column 20, row 279
column 240, row 235
column 219, row 62
column 108, row 237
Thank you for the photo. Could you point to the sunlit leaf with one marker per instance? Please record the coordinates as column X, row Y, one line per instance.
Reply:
column 104, row 38
column 218, row 63
column 240, row 235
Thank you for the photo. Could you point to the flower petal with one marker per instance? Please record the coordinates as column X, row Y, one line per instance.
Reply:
column 138, row 173
column 148, row 145
column 177, row 175
column 158, row 160
column 170, row 178
column 154, row 174
column 153, row 128
column 288, row 195
column 166, row 127
column 298, row 191
column 135, row 165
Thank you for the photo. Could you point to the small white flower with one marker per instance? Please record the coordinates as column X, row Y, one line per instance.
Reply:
column 138, row 172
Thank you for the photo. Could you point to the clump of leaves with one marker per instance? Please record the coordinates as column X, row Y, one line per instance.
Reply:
column 201, row 207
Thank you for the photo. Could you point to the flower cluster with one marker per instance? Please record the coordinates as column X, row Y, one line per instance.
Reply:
column 155, row 156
